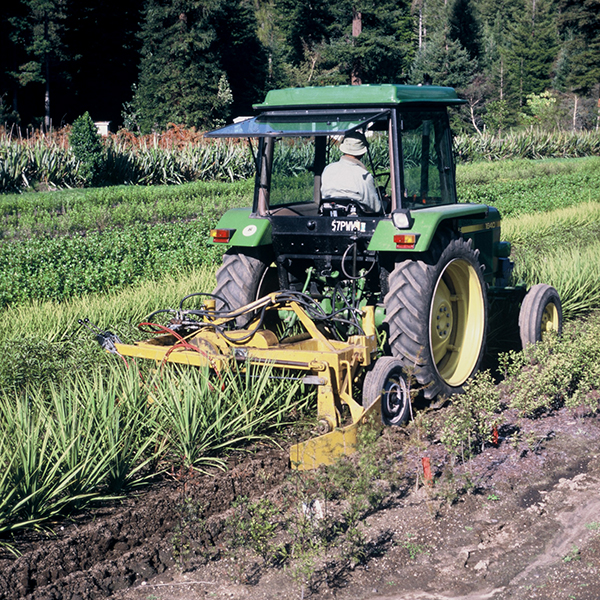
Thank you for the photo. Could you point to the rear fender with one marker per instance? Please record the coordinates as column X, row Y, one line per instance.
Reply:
column 248, row 230
column 426, row 222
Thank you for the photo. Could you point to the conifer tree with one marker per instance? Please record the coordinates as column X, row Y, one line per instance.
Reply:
column 579, row 24
column 464, row 27
column 39, row 31
column 445, row 61
column 305, row 25
column 380, row 52
column 323, row 48
column 531, row 49
column 187, row 49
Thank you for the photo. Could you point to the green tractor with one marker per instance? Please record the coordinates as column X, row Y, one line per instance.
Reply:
column 429, row 266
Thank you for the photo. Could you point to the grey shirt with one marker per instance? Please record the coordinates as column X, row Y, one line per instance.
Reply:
column 349, row 178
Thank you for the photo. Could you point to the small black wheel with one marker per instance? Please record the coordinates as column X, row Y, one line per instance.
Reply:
column 386, row 379
column 541, row 312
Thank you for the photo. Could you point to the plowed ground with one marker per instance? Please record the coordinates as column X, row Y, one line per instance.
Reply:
column 520, row 520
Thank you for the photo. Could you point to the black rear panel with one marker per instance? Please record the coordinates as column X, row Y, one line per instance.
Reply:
column 320, row 236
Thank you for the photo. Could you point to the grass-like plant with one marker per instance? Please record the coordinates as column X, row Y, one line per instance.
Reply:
column 122, row 309
column 96, row 434
column 203, row 416
column 574, row 226
column 69, row 444
column 573, row 271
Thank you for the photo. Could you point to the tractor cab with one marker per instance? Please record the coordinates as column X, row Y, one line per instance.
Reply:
column 409, row 147
column 297, row 133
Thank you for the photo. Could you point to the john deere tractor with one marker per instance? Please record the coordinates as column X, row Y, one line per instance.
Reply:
column 427, row 263
column 357, row 300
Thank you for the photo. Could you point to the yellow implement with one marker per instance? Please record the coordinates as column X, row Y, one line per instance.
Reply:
column 330, row 364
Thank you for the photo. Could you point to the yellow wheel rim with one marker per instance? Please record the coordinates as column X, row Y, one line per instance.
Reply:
column 550, row 319
column 457, row 322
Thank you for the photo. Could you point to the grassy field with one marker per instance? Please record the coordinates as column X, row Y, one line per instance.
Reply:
column 520, row 187
column 114, row 255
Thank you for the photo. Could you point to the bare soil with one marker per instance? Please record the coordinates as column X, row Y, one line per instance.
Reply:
column 520, row 520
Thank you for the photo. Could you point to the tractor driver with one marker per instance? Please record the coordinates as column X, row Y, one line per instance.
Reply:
column 349, row 178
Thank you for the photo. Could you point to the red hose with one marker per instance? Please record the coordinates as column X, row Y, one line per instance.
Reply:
column 183, row 343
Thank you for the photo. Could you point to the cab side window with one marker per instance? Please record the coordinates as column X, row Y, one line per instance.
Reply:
column 427, row 161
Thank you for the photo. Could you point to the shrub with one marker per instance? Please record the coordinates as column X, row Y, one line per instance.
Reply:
column 556, row 373
column 470, row 421
column 86, row 145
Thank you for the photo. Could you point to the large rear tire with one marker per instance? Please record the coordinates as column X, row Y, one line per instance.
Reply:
column 436, row 313
column 244, row 276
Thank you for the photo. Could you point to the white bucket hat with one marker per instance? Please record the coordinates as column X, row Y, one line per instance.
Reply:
column 354, row 144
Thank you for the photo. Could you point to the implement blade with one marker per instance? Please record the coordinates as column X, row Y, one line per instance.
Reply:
column 326, row 449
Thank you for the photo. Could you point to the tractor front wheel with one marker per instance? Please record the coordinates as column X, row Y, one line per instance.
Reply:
column 436, row 313
column 541, row 312
column 386, row 379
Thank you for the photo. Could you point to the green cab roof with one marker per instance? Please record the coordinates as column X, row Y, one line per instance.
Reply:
column 357, row 95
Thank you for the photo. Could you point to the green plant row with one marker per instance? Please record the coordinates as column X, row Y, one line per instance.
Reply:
column 54, row 322
column 96, row 434
column 77, row 210
column 47, row 163
column 563, row 228
column 522, row 187
column 530, row 144
column 41, row 342
column 99, row 261
column 562, row 249
column 573, row 271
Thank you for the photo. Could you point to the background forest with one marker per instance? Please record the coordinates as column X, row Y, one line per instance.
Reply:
column 199, row 63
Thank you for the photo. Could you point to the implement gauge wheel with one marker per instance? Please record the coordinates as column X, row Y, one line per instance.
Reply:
column 244, row 277
column 541, row 312
column 436, row 313
column 386, row 379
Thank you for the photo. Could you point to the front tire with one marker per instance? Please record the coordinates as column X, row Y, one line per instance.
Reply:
column 245, row 276
column 541, row 312
column 436, row 313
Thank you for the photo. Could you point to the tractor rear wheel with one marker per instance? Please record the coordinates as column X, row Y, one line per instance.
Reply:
column 541, row 312
column 386, row 379
column 436, row 313
column 244, row 276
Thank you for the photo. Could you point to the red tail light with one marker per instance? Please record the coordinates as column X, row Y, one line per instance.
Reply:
column 221, row 236
column 405, row 241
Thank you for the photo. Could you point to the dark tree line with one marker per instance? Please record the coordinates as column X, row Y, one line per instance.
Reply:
column 200, row 62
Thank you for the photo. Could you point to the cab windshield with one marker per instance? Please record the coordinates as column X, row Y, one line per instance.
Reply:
column 408, row 158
